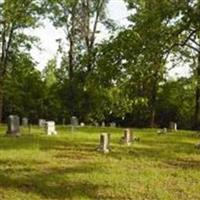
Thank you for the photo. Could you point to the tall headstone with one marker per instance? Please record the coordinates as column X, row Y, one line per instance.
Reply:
column 42, row 123
column 13, row 125
column 63, row 121
column 127, row 137
column 74, row 122
column 103, row 124
column 173, row 126
column 50, row 128
column 104, row 143
column 24, row 121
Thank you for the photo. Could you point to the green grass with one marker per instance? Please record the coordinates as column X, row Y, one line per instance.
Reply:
column 67, row 166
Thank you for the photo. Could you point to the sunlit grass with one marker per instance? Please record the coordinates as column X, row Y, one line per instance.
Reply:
column 67, row 166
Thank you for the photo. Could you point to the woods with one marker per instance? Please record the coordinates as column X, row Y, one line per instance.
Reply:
column 124, row 78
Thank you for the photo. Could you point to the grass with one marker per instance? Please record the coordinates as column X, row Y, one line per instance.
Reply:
column 67, row 166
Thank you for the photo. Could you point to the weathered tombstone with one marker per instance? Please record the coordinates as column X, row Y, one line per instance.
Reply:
column 24, row 121
column 104, row 143
column 162, row 131
column 42, row 123
column 173, row 126
column 13, row 125
column 50, row 128
column 96, row 124
column 63, row 121
column 113, row 124
column 128, row 137
column 103, row 124
column 74, row 122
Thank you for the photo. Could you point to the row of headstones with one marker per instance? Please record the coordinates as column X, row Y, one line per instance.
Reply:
column 14, row 125
column 172, row 128
column 105, row 139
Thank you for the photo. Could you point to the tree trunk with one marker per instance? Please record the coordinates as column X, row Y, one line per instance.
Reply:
column 1, row 100
column 153, row 103
column 197, row 99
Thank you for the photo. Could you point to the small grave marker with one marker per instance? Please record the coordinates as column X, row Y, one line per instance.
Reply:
column 42, row 123
column 24, row 121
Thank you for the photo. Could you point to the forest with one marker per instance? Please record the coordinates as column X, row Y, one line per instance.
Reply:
column 123, row 79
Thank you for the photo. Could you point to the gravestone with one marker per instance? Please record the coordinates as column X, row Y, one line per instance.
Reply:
column 128, row 137
column 50, row 128
column 82, row 124
column 103, row 124
column 13, row 125
column 42, row 123
column 24, row 121
column 113, row 124
column 74, row 122
column 104, row 143
column 173, row 126
column 162, row 131
column 63, row 121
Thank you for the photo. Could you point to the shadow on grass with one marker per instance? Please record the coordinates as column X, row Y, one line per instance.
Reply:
column 53, row 183
column 184, row 164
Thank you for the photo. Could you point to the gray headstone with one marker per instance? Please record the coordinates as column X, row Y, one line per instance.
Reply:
column 74, row 121
column 13, row 125
column 173, row 126
column 24, row 121
column 103, row 124
column 104, row 143
column 113, row 124
column 42, row 123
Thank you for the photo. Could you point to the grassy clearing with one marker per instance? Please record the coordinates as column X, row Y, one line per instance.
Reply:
column 35, row 166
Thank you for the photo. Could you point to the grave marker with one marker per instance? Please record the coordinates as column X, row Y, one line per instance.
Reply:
column 13, row 125
column 42, row 123
column 50, row 128
column 173, row 126
column 104, row 143
column 128, row 137
column 24, row 121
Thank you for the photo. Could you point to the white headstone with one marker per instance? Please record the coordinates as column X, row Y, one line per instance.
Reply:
column 50, row 128
column 82, row 124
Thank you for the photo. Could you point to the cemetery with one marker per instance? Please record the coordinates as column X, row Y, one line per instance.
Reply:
column 93, row 163
column 99, row 100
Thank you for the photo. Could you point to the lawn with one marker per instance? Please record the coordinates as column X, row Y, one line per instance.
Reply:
column 67, row 166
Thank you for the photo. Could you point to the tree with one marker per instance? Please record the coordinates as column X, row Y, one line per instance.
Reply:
column 15, row 15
